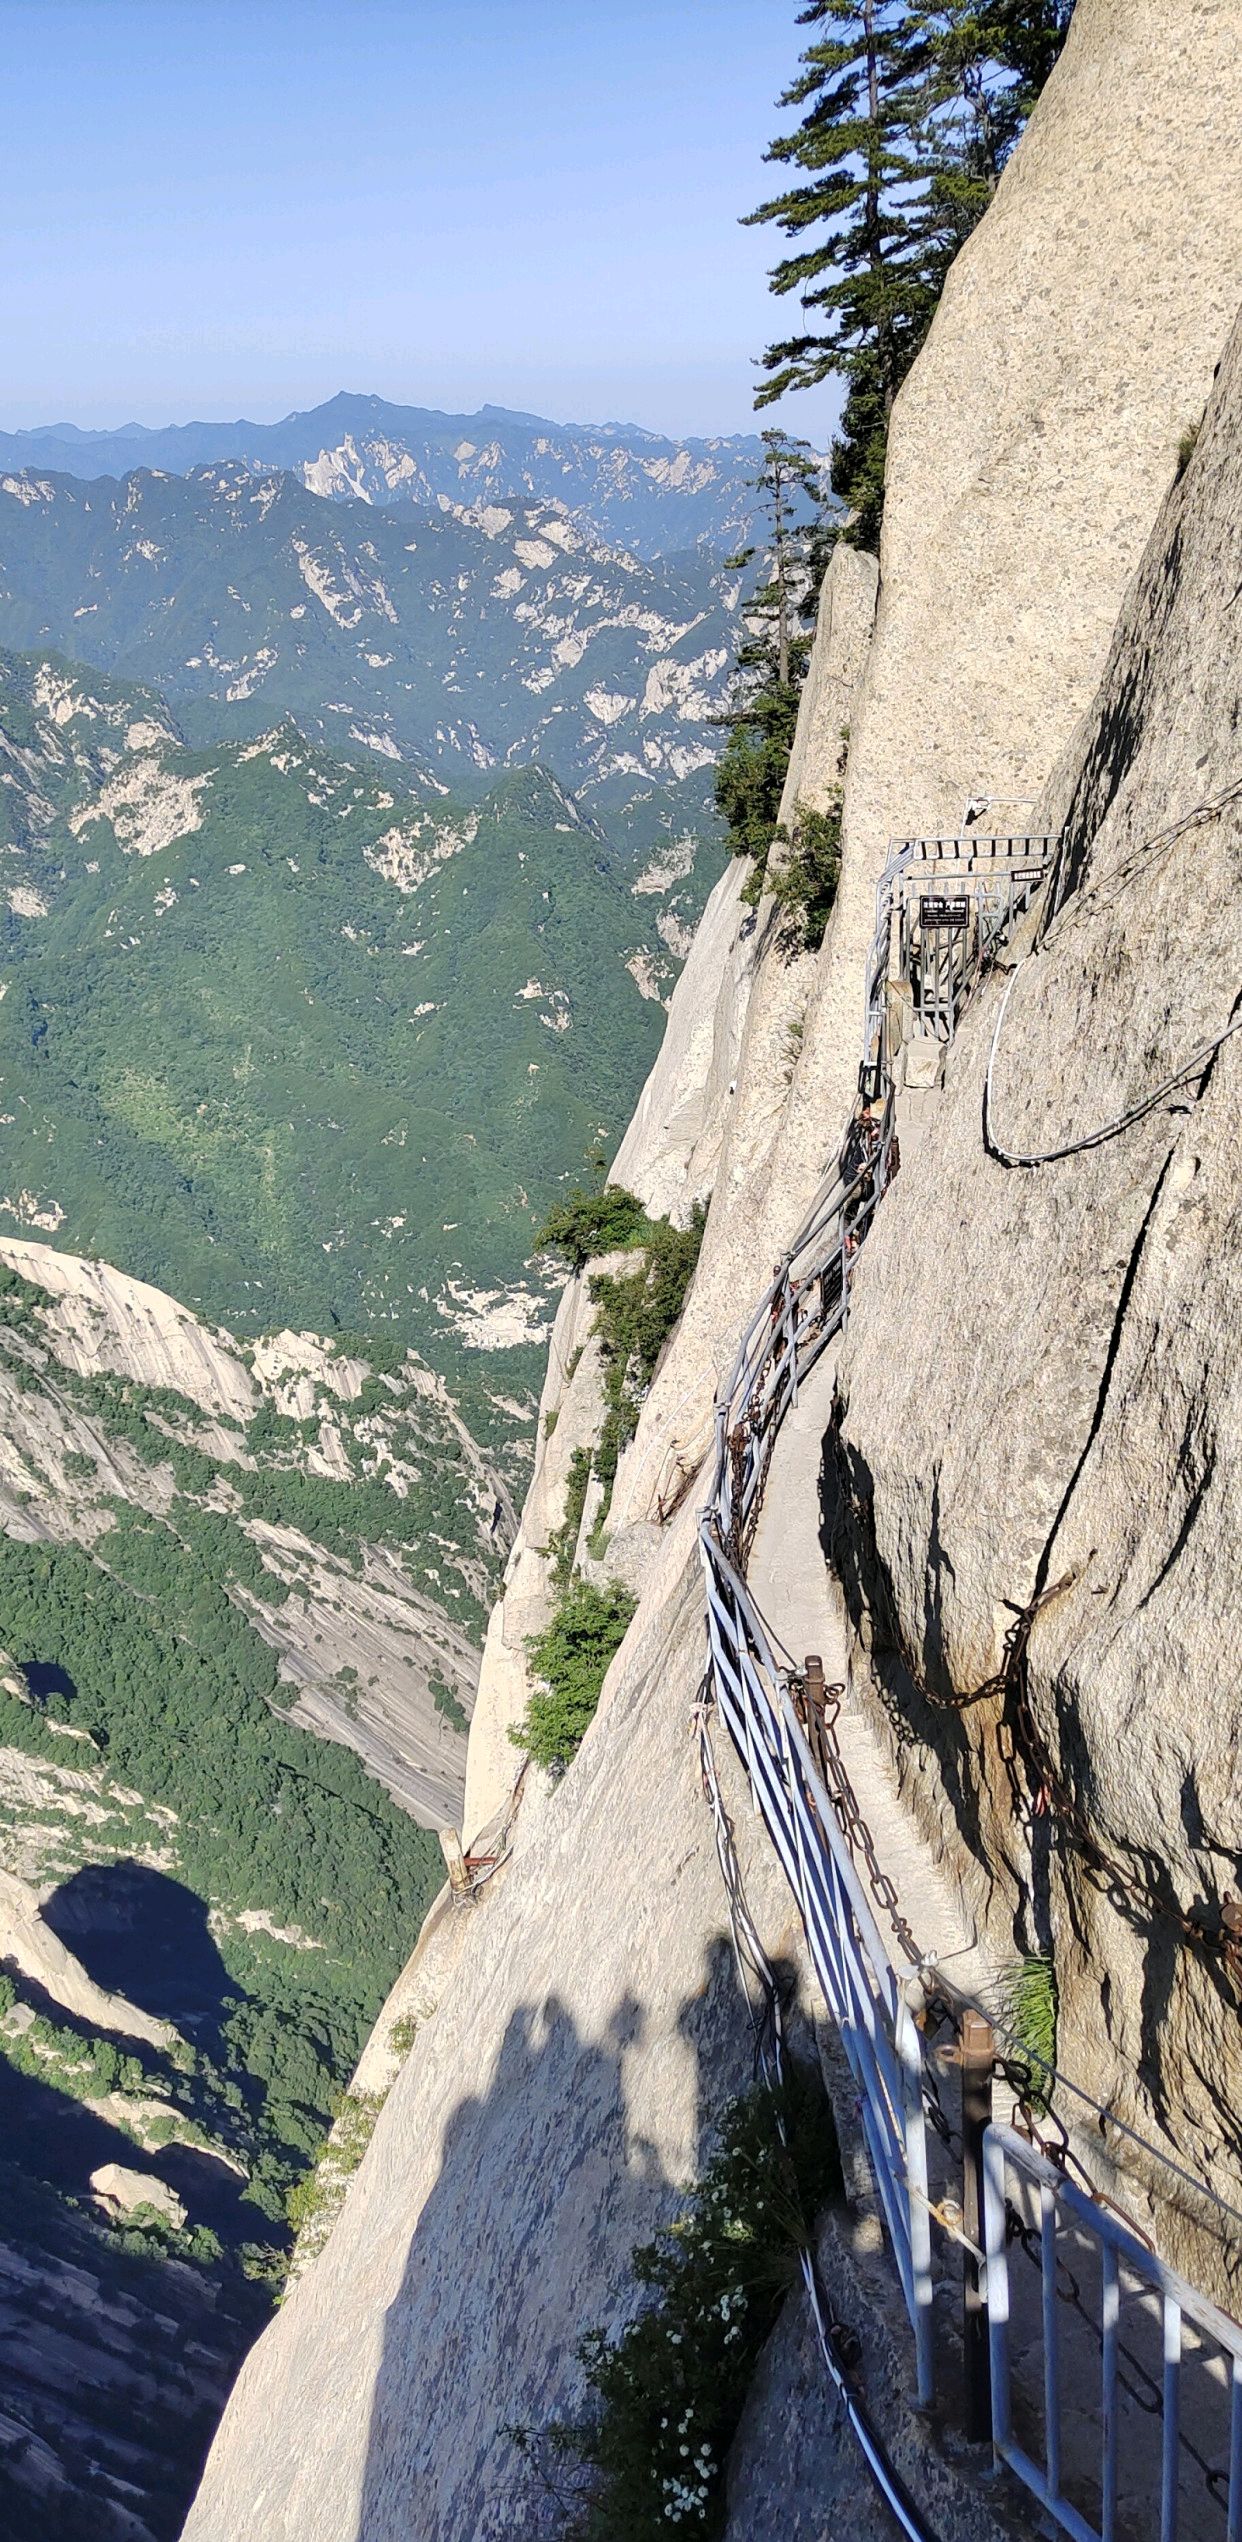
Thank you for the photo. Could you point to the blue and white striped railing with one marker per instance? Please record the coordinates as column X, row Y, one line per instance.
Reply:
column 804, row 1306
column 1176, row 2467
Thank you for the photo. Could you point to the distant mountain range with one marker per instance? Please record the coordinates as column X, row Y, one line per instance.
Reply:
column 349, row 851
column 613, row 482
column 458, row 644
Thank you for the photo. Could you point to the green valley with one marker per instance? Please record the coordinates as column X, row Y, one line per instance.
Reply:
column 303, row 1049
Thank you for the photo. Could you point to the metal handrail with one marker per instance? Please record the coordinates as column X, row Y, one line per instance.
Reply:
column 1060, row 2200
column 980, row 860
column 805, row 1304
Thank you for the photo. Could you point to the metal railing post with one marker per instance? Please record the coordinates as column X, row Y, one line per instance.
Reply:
column 918, row 2197
column 455, row 1863
column 977, row 2051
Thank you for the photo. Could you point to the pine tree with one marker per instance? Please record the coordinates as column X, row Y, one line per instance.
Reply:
column 870, row 280
column 987, row 61
column 773, row 649
column 911, row 111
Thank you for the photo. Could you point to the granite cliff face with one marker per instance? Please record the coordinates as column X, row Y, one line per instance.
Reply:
column 1030, row 450
column 1064, row 1439
column 559, row 2088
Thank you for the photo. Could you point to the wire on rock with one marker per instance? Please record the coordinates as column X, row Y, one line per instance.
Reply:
column 1191, row 1067
column 1100, row 894
column 1095, row 896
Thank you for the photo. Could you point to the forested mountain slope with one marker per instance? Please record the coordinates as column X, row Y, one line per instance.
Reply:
column 314, row 1049
column 615, row 482
column 341, row 889
column 295, row 1045
column 461, row 645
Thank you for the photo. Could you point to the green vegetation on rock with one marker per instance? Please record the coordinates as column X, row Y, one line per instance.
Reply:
column 322, row 1058
column 315, row 2200
column 803, row 882
column 635, row 1313
column 771, row 654
column 176, row 1693
column 589, row 1223
column 570, row 1658
column 563, row 1541
column 1029, row 2014
column 668, row 2393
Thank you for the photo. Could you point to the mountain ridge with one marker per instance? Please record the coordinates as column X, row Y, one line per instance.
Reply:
column 427, row 634
column 258, row 1001
column 655, row 492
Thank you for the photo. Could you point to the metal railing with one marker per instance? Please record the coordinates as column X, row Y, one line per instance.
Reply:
column 860, row 1985
column 809, row 1812
column 987, row 883
column 1153, row 2329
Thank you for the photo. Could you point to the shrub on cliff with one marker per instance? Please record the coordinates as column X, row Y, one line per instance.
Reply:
column 804, row 883
column 636, row 1312
column 570, row 1658
column 588, row 1223
column 563, row 1542
column 773, row 648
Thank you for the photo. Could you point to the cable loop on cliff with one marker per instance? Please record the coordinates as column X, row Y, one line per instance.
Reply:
column 1192, row 1066
column 783, row 1727
column 1096, row 897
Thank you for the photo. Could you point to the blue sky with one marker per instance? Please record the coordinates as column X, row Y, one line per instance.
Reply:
column 217, row 207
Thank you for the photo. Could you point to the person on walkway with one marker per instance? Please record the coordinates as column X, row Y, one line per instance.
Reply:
column 862, row 1143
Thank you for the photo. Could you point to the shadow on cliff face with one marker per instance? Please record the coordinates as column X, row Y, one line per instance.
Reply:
column 144, row 1936
column 924, row 1711
column 523, row 2245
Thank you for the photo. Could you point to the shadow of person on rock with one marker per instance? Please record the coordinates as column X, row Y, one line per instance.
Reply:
column 524, row 2244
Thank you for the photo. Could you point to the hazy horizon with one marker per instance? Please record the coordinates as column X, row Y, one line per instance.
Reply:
column 210, row 217
column 251, row 413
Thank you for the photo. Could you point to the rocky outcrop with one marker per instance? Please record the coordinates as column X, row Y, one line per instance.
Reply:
column 1062, row 1444
column 570, row 1410
column 549, row 2110
column 125, row 2193
column 28, row 1944
column 101, row 1318
column 576, row 2032
column 364, row 1652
